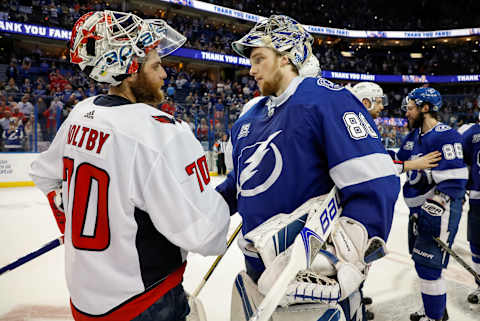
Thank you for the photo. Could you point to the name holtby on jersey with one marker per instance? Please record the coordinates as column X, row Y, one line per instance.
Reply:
column 87, row 138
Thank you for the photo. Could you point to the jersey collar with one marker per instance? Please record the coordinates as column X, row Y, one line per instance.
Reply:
column 274, row 102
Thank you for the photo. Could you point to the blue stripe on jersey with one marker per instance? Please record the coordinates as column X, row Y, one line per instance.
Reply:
column 320, row 136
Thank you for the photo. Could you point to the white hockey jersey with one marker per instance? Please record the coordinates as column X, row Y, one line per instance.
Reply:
column 137, row 197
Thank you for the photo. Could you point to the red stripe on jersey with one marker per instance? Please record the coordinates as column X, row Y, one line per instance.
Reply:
column 135, row 307
column 397, row 162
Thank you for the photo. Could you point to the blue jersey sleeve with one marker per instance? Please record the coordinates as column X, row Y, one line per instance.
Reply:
column 358, row 163
column 451, row 174
column 405, row 150
column 467, row 147
column 228, row 189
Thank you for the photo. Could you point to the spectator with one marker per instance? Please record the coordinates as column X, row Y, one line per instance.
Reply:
column 11, row 72
column 170, row 90
column 13, row 138
column 25, row 106
column 11, row 88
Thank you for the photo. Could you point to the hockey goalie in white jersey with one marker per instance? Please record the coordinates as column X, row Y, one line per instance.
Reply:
column 305, row 136
column 135, row 183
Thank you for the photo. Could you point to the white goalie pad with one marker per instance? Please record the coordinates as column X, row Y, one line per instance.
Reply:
column 276, row 234
column 246, row 298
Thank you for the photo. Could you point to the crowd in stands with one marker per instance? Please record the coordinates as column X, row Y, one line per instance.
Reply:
column 49, row 88
column 368, row 14
column 207, row 34
column 35, row 85
column 361, row 14
column 54, row 89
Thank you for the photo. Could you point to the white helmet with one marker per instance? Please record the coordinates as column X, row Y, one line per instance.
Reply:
column 284, row 35
column 110, row 45
column 370, row 91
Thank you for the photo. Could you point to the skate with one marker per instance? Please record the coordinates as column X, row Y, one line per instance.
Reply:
column 420, row 316
column 474, row 297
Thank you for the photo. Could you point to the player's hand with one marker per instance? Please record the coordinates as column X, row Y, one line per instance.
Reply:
column 430, row 219
column 426, row 161
column 56, row 203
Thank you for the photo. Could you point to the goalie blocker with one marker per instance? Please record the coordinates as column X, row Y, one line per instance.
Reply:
column 330, row 288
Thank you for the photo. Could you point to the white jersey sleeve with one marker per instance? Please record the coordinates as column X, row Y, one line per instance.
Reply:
column 137, row 197
column 197, row 210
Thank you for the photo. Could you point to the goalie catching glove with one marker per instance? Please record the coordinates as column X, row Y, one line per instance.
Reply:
column 56, row 203
column 335, row 273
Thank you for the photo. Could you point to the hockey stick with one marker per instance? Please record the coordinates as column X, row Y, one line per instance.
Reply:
column 217, row 260
column 306, row 245
column 197, row 312
column 27, row 258
column 458, row 258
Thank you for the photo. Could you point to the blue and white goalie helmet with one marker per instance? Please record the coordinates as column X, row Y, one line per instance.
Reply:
column 423, row 95
column 110, row 45
column 286, row 36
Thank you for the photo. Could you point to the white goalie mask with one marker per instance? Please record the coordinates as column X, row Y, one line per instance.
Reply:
column 109, row 44
column 286, row 36
column 370, row 91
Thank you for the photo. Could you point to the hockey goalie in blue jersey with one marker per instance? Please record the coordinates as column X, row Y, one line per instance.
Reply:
column 471, row 148
column 304, row 137
column 434, row 197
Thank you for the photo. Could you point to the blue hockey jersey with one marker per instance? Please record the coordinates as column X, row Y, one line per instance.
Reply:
column 296, row 146
column 13, row 138
column 449, row 177
column 471, row 149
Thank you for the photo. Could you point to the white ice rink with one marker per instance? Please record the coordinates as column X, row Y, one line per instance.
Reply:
column 37, row 290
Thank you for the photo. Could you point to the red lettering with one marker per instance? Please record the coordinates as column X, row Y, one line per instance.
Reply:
column 92, row 138
column 84, row 131
column 103, row 139
column 70, row 133
column 75, row 136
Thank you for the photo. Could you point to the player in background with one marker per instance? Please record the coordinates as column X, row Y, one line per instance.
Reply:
column 372, row 97
column 303, row 137
column 434, row 197
column 128, row 184
column 471, row 148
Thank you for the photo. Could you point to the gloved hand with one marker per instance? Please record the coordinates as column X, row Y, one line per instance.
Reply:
column 56, row 203
column 430, row 218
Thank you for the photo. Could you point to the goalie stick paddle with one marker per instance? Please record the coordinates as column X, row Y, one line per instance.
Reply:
column 27, row 258
column 458, row 258
column 317, row 228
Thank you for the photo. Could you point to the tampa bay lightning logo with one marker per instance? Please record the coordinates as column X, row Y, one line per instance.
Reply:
column 249, row 160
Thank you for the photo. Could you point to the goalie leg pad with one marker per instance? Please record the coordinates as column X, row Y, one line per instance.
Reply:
column 277, row 234
column 246, row 297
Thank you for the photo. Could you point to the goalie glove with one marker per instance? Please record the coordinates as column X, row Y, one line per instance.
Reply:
column 56, row 203
column 348, row 257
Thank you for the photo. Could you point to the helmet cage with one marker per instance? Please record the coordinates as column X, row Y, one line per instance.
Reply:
column 281, row 33
column 113, row 44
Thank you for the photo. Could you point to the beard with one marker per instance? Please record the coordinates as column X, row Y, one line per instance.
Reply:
column 416, row 122
column 146, row 91
column 270, row 87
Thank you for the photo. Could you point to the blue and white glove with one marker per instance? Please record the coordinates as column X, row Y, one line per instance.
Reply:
column 430, row 218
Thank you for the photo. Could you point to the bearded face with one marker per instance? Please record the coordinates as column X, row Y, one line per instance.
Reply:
column 147, row 88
